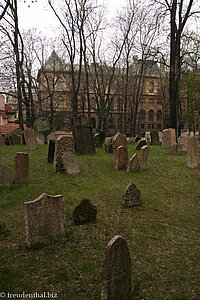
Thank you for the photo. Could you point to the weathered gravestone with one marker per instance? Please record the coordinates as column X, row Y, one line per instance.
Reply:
column 8, row 140
column 21, row 167
column 183, row 142
column 154, row 138
column 69, row 163
column 133, row 164
column 4, row 176
column 2, row 142
column 140, row 144
column 85, row 212
column 40, row 138
column 17, row 139
column 144, row 154
column 118, row 140
column 148, row 136
column 30, row 138
column 51, row 151
column 121, row 158
column 108, row 145
column 64, row 143
column 192, row 152
column 168, row 137
column 131, row 196
column 175, row 149
column 116, row 271
column 44, row 219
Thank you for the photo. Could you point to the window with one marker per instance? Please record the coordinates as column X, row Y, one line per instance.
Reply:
column 159, row 115
column 151, row 115
column 93, row 103
column 159, row 126
column 142, row 126
column 50, row 83
column 60, row 84
column 152, row 126
column 142, row 114
column 149, row 126
column 151, row 87
column 61, row 104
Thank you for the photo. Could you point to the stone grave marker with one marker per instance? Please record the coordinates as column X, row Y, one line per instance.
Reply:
column 40, row 138
column 121, row 158
column 30, row 138
column 116, row 271
column 131, row 196
column 4, row 176
column 133, row 164
column 83, row 137
column 192, row 152
column 51, row 151
column 108, row 145
column 154, row 137
column 99, row 139
column 183, row 141
column 64, row 143
column 168, row 137
column 69, row 163
column 2, row 142
column 44, row 219
column 16, row 138
column 175, row 149
column 144, row 154
column 140, row 144
column 85, row 212
column 21, row 167
column 118, row 140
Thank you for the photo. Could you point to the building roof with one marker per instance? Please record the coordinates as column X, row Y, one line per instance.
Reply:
column 7, row 128
column 150, row 67
column 54, row 63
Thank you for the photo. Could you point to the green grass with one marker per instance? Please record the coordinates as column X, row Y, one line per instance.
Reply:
column 163, row 235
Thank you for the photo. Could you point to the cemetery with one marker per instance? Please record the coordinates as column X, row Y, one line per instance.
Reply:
column 120, row 222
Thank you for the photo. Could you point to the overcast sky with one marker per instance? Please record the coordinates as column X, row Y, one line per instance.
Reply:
column 39, row 15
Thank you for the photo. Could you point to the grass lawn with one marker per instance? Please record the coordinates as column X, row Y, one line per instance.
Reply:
column 163, row 235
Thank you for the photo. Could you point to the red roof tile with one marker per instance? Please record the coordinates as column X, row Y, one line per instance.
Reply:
column 7, row 128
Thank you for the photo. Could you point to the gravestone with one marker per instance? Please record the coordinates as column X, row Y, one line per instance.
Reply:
column 17, row 139
column 8, row 140
column 39, row 138
column 168, row 137
column 144, row 154
column 64, row 143
column 51, row 151
column 84, row 143
column 99, row 139
column 50, row 137
column 69, row 163
column 85, row 212
column 154, row 138
column 108, row 145
column 131, row 196
column 30, row 138
column 175, row 149
column 192, row 152
column 21, row 167
column 140, row 144
column 118, row 140
column 4, row 176
column 2, row 142
column 44, row 219
column 133, row 164
column 148, row 136
column 183, row 141
column 116, row 271
column 121, row 158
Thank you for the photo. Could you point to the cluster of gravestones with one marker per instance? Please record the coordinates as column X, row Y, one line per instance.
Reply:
column 118, row 145
column 29, row 136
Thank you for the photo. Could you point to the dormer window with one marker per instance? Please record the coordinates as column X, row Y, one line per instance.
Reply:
column 151, row 87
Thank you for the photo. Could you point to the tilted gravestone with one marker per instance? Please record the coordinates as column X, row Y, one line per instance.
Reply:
column 118, row 140
column 121, row 158
column 21, row 167
column 168, row 137
column 44, row 219
column 140, row 144
column 144, row 154
column 51, row 151
column 4, row 175
column 69, row 163
column 154, row 138
column 131, row 196
column 116, row 271
column 192, row 152
column 108, row 145
column 30, row 138
column 85, row 212
column 64, row 143
column 133, row 164
column 83, row 137
column 2, row 142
